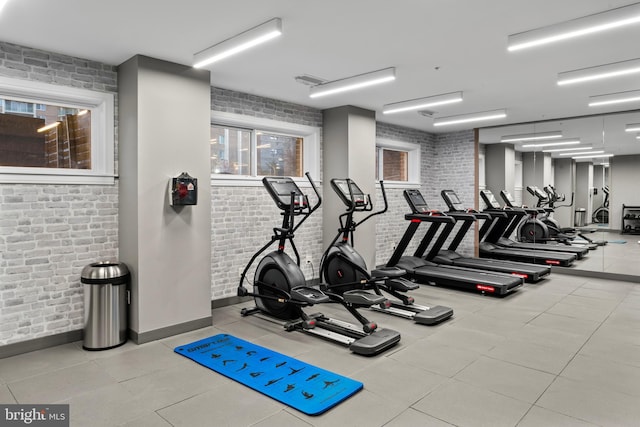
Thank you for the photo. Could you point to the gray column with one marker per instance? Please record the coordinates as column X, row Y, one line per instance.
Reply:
column 349, row 147
column 564, row 183
column 164, row 129
column 500, row 168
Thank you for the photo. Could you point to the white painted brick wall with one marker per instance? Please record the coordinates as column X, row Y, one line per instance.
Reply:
column 48, row 233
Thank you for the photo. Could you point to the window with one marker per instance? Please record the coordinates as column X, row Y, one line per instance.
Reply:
column 243, row 148
column 397, row 161
column 55, row 134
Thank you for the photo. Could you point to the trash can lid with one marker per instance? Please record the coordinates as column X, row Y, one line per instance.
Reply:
column 103, row 272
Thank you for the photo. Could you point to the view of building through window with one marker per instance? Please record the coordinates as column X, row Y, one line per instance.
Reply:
column 42, row 135
column 395, row 165
column 233, row 151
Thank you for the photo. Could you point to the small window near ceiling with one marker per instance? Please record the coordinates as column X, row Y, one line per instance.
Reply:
column 230, row 151
column 278, row 155
column 397, row 161
column 44, row 135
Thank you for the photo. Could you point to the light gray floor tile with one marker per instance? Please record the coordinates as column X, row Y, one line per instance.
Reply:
column 141, row 360
column 437, row 358
column 483, row 323
column 540, row 417
column 411, row 417
column 5, row 394
column 336, row 358
column 512, row 314
column 569, row 309
column 553, row 338
column 467, row 405
column 40, row 362
column 62, row 384
column 232, row 405
column 395, row 380
column 607, row 376
column 612, row 351
column 506, row 378
column 592, row 404
column 189, row 337
column 150, row 419
column 288, row 343
column 250, row 328
column 106, row 406
column 363, row 409
column 467, row 339
column 566, row 324
column 282, row 418
column 547, row 359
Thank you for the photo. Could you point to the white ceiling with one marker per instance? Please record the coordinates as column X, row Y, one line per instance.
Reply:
column 437, row 46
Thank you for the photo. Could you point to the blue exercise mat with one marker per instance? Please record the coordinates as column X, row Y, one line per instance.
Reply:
column 305, row 387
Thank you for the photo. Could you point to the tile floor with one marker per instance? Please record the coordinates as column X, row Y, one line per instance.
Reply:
column 564, row 352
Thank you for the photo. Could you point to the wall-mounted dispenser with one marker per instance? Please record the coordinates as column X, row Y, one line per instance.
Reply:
column 183, row 190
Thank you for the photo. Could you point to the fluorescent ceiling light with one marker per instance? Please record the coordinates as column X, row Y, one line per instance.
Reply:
column 49, row 126
column 467, row 118
column 606, row 20
column 553, row 144
column 614, row 98
column 634, row 127
column 2, row 3
column 352, row 83
column 597, row 156
column 600, row 72
column 637, row 136
column 582, row 153
column 243, row 41
column 531, row 136
column 420, row 103
column 557, row 150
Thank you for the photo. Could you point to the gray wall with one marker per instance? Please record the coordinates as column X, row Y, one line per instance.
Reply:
column 499, row 168
column 48, row 233
column 167, row 248
column 564, row 173
column 584, row 183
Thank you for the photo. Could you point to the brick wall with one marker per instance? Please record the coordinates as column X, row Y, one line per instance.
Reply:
column 49, row 232
column 243, row 217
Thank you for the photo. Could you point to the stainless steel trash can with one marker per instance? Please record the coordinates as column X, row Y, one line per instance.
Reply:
column 105, row 304
column 580, row 217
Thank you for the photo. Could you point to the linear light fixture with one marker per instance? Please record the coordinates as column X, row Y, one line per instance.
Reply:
column 614, row 98
column 633, row 127
column 352, row 83
column 571, row 141
column 582, row 153
column 597, row 156
column 421, row 103
column 468, row 118
column 600, row 72
column 602, row 21
column 47, row 127
column 243, row 41
column 2, row 3
column 557, row 150
column 532, row 136
column 637, row 136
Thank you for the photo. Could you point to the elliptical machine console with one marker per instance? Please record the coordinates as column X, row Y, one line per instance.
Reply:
column 279, row 285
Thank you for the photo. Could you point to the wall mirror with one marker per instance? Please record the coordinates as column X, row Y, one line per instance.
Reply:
column 592, row 162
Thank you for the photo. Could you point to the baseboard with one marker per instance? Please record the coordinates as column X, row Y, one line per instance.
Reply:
column 223, row 302
column 169, row 331
column 22, row 347
column 596, row 274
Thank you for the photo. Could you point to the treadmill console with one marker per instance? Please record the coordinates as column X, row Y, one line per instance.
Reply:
column 280, row 189
column 489, row 199
column 453, row 202
column 347, row 190
column 416, row 202
column 508, row 198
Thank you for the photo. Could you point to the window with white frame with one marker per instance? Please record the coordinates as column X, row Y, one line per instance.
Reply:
column 55, row 134
column 243, row 148
column 397, row 161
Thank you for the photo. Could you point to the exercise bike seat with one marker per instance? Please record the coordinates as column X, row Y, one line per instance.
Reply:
column 363, row 298
column 308, row 295
column 390, row 272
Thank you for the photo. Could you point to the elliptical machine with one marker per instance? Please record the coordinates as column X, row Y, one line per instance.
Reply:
column 280, row 290
column 601, row 215
column 342, row 267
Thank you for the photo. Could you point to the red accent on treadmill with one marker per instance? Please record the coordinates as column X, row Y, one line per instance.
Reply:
column 485, row 288
column 340, row 274
column 524, row 276
column 552, row 262
column 415, row 220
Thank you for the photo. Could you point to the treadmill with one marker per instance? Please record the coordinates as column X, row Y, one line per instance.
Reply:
column 530, row 272
column 423, row 271
column 580, row 252
column 494, row 245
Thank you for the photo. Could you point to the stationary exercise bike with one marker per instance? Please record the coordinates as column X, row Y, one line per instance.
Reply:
column 342, row 267
column 279, row 287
